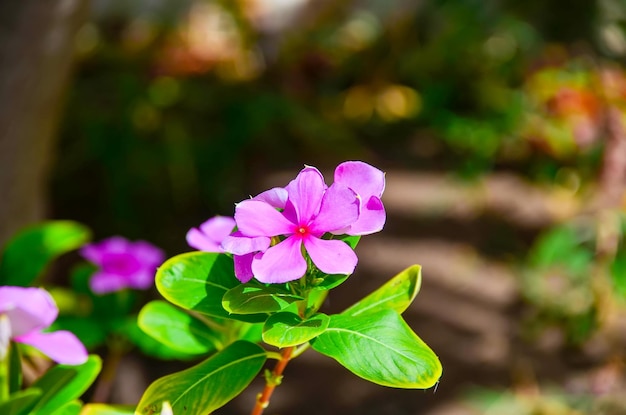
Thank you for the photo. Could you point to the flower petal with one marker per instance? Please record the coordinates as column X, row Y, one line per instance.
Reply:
column 276, row 197
column 255, row 218
column 340, row 208
column 201, row 242
column 28, row 309
column 146, row 253
column 210, row 234
column 371, row 219
column 331, row 257
column 142, row 279
column 243, row 267
column 218, row 227
column 95, row 252
column 104, row 283
column 280, row 263
column 60, row 346
column 239, row 245
column 364, row 179
column 305, row 195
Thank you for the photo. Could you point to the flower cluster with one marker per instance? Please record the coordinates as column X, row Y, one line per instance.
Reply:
column 24, row 313
column 270, row 232
column 122, row 264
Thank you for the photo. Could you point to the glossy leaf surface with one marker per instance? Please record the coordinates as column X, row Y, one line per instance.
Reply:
column 396, row 294
column 381, row 348
column 286, row 329
column 64, row 383
column 177, row 329
column 207, row 386
column 254, row 299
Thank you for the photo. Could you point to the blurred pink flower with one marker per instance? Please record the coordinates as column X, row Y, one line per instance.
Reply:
column 24, row 313
column 122, row 264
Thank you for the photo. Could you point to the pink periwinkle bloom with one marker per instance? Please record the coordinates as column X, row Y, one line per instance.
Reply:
column 212, row 233
column 369, row 184
column 208, row 237
column 311, row 209
column 122, row 264
column 24, row 313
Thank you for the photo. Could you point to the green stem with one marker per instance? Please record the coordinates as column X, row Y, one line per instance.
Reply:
column 271, row 381
column 102, row 390
column 4, row 375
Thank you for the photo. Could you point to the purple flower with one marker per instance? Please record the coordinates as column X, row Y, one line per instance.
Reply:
column 368, row 183
column 123, row 264
column 24, row 313
column 311, row 209
column 211, row 234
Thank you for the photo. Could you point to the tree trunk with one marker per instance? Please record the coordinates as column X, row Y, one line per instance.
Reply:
column 36, row 51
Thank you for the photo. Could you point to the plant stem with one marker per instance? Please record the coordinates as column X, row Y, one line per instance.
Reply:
column 4, row 378
column 102, row 391
column 272, row 381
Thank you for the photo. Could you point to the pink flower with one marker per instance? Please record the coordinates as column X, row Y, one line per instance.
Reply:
column 369, row 184
column 24, row 313
column 123, row 264
column 311, row 210
column 211, row 234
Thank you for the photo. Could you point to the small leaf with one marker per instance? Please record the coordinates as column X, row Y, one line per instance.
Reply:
column 255, row 299
column 15, row 369
column 147, row 344
column 64, row 383
column 381, row 348
column 103, row 409
column 29, row 253
column 177, row 329
column 197, row 281
column 328, row 282
column 286, row 329
column 21, row 402
column 207, row 386
column 396, row 294
column 71, row 408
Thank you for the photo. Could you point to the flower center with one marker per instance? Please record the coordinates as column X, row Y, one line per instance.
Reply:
column 302, row 230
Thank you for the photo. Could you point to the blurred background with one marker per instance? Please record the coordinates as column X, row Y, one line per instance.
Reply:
column 501, row 126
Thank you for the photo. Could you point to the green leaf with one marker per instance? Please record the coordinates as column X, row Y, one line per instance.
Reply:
column 396, row 294
column 21, row 402
column 618, row 273
column 28, row 254
column 328, row 282
column 15, row 369
column 71, row 408
column 380, row 347
column 130, row 330
column 64, row 383
column 177, row 329
column 286, row 329
column 255, row 299
column 197, row 281
column 351, row 240
column 103, row 409
column 207, row 386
